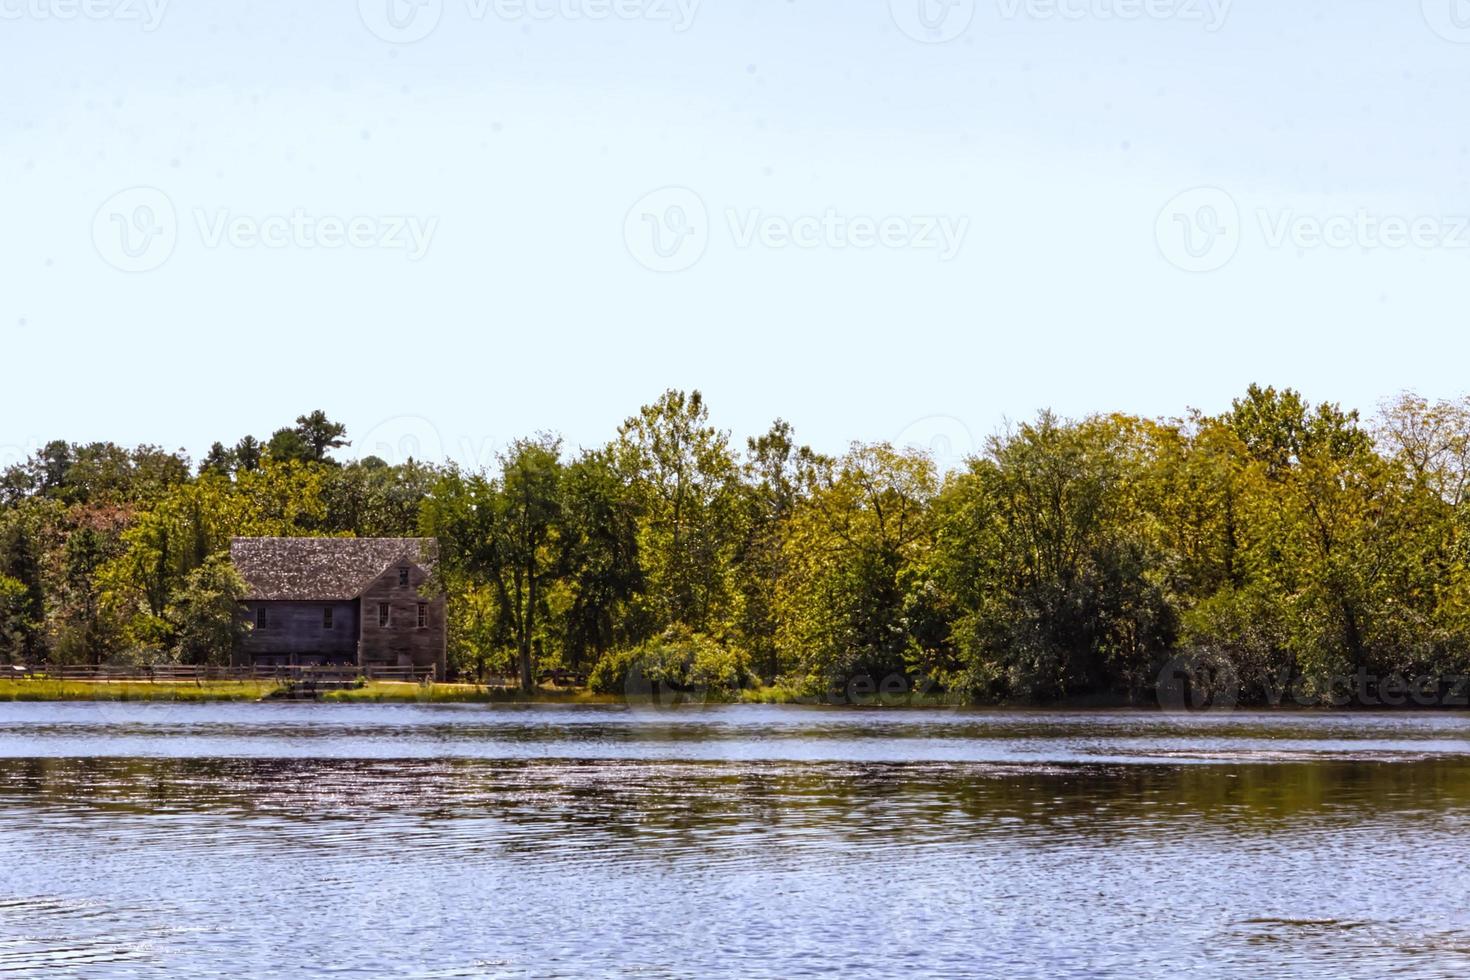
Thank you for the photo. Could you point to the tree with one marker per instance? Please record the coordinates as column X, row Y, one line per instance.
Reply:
column 309, row 441
column 49, row 467
column 599, row 561
column 163, row 544
column 247, row 454
column 504, row 532
column 15, row 622
column 1070, row 557
column 369, row 498
column 320, row 434
column 1271, row 425
column 531, row 508
column 777, row 473
column 206, row 614
column 855, row 599
column 289, row 446
column 85, row 629
column 1053, row 565
column 219, row 461
column 99, row 472
column 154, row 471
column 20, row 563
column 686, row 481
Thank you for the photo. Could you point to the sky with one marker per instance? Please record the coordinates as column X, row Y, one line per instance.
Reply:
column 450, row 223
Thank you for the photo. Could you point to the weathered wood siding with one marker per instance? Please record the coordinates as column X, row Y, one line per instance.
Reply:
column 402, row 643
column 295, row 633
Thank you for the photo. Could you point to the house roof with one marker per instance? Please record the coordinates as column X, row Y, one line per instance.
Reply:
column 316, row 569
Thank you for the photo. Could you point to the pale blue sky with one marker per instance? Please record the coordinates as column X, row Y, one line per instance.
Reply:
column 1052, row 133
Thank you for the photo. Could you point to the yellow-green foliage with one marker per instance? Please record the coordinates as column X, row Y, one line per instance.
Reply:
column 1065, row 558
column 677, row 660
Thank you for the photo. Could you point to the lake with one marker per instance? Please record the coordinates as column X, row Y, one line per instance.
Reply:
column 282, row 840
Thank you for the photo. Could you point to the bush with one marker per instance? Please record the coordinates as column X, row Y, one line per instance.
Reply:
column 678, row 661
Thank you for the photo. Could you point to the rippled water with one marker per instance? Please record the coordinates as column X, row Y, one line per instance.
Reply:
column 457, row 841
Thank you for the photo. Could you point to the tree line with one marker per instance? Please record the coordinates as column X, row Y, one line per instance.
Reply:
column 1068, row 558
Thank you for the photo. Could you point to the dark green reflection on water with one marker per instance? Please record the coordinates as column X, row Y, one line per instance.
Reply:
column 693, row 800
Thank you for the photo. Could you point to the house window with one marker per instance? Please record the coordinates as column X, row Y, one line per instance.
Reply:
column 326, row 617
column 385, row 614
column 262, row 618
column 423, row 615
column 403, row 577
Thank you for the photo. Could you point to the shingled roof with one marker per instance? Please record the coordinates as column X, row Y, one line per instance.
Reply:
column 318, row 569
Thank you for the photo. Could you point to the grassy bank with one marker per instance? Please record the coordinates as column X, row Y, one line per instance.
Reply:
column 390, row 692
column 375, row 692
column 47, row 690
column 387, row 692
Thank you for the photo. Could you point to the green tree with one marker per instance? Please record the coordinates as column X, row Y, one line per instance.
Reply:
column 206, row 615
column 86, row 630
column 15, row 622
column 529, row 516
column 47, row 470
column 309, row 441
column 247, row 454
column 1053, row 565
column 166, row 542
column 777, row 473
column 686, row 480
column 599, row 561
column 320, row 434
column 371, row 499
column 504, row 532
column 287, row 445
column 20, row 563
column 855, row 599
column 219, row 461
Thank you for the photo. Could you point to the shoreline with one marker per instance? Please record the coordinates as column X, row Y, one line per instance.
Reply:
column 393, row 692
column 249, row 692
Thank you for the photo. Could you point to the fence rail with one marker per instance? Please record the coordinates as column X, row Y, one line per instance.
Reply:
column 180, row 672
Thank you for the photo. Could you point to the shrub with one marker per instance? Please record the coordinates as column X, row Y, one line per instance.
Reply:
column 678, row 660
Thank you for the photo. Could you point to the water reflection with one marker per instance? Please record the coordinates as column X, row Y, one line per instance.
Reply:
column 571, row 805
column 1337, row 859
column 728, row 733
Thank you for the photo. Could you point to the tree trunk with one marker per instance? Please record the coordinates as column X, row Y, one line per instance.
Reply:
column 528, row 629
column 528, row 683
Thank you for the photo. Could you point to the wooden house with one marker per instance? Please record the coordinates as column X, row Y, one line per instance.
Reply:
column 367, row 602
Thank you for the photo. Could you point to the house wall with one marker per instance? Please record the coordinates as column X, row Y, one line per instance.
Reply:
column 295, row 634
column 402, row 643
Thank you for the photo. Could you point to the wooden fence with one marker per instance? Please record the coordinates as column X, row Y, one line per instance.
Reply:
column 179, row 672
